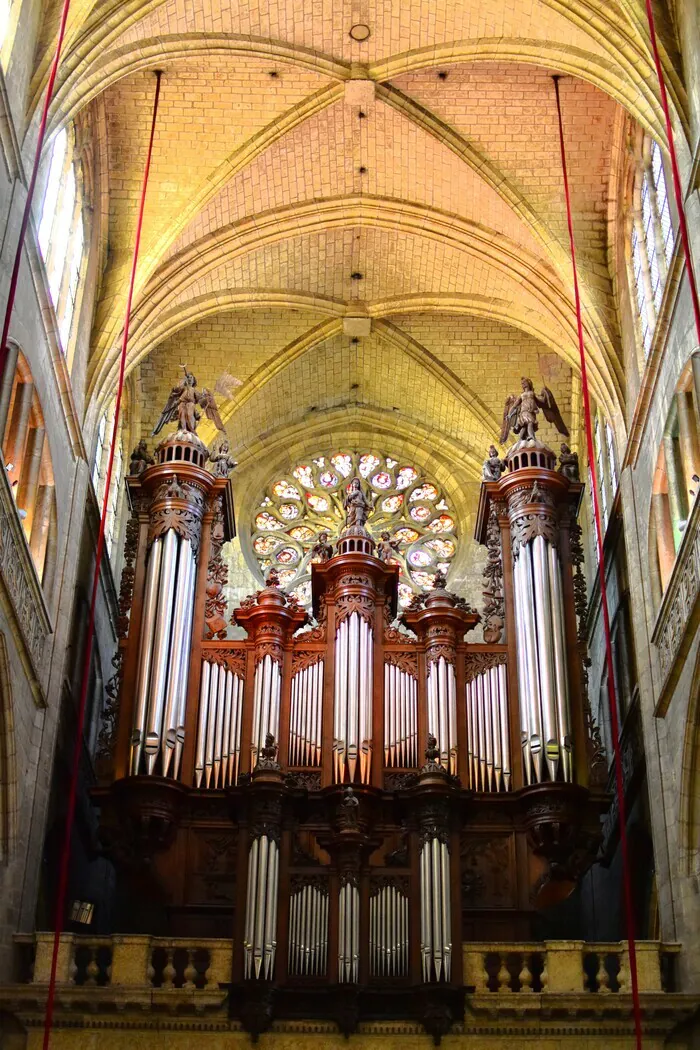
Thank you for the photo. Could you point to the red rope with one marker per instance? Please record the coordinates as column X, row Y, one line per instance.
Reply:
column 612, row 693
column 30, row 190
column 78, row 748
column 677, row 188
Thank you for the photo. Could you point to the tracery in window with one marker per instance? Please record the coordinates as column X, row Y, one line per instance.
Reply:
column 651, row 238
column 61, row 233
column 99, row 474
column 298, row 506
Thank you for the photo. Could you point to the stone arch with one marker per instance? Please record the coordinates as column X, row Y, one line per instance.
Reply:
column 8, row 771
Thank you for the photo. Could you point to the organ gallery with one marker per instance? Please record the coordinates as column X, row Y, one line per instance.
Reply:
column 351, row 791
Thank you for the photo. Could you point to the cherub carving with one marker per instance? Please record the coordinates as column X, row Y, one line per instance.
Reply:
column 140, row 459
column 493, row 466
column 386, row 548
column 568, row 463
column 521, row 410
column 182, row 405
column 222, row 462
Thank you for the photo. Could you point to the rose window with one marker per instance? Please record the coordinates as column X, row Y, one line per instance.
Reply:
column 297, row 507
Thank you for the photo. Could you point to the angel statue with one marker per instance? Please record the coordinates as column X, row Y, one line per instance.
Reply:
column 520, row 412
column 356, row 506
column 184, row 404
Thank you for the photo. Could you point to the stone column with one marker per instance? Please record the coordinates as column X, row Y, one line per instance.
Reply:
column 695, row 362
column 40, row 524
column 29, row 482
column 688, row 441
column 664, row 536
column 676, row 494
column 19, row 425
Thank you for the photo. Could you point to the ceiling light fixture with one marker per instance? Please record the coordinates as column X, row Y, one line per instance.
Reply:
column 360, row 32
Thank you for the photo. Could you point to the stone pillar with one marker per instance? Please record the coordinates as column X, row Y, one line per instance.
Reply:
column 40, row 523
column 695, row 362
column 676, row 493
column 664, row 536
column 19, row 425
column 688, row 441
column 29, row 481
column 8, row 379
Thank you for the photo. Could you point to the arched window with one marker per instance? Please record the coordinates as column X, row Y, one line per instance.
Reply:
column 675, row 488
column 606, row 469
column 651, row 238
column 297, row 507
column 9, row 15
column 61, row 233
column 99, row 474
column 27, row 460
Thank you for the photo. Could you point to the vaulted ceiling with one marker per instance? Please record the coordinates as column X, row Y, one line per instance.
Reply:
column 301, row 177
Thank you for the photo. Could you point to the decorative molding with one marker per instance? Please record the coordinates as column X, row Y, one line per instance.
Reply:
column 359, row 603
column 304, row 658
column 215, row 625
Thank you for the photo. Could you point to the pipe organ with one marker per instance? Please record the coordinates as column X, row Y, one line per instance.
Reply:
column 352, row 797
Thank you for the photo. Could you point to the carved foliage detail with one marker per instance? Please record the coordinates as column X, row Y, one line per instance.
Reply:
column 232, row 659
column 217, row 576
column 359, row 603
column 477, row 663
column 406, row 662
column 305, row 658
column 494, row 603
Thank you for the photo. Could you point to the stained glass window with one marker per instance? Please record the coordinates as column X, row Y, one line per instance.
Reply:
column 308, row 500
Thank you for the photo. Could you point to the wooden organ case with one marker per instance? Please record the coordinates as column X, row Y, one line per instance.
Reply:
column 347, row 800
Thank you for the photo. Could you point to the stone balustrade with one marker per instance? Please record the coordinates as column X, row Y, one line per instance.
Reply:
column 564, row 967
column 498, row 969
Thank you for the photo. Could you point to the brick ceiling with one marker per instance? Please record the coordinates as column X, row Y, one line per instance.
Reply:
column 269, row 191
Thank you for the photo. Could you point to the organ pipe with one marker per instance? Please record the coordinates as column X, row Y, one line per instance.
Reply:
column 308, row 931
column 488, row 734
column 400, row 717
column 352, row 704
column 542, row 673
column 348, row 933
column 442, row 710
column 388, row 925
column 266, row 704
column 218, row 752
column 436, row 911
column 159, row 706
column 260, row 939
column 305, row 716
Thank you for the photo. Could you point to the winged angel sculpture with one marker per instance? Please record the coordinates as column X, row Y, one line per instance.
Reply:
column 184, row 404
column 520, row 412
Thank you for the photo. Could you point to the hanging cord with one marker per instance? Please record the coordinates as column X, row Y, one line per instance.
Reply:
column 612, row 693
column 30, row 190
column 78, row 748
column 677, row 188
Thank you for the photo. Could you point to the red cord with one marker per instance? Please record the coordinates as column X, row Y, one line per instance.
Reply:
column 677, row 188
column 30, row 191
column 78, row 748
column 612, row 693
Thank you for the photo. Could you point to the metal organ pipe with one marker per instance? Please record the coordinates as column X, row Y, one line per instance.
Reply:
column 218, row 751
column 400, row 717
column 266, row 704
column 161, row 684
column 442, row 710
column 436, row 911
column 308, row 931
column 260, row 940
column 352, row 703
column 388, row 923
column 542, row 672
column 348, row 933
column 305, row 716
